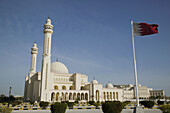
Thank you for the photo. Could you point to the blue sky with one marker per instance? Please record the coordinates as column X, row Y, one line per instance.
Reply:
column 92, row 37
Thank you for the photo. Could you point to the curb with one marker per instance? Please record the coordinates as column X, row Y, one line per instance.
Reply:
column 49, row 108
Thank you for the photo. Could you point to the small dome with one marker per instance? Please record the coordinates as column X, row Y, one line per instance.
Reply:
column 58, row 67
column 48, row 24
column 109, row 85
column 34, row 45
column 130, row 85
column 48, row 21
column 94, row 82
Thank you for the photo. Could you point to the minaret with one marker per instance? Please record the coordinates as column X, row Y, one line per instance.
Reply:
column 34, row 52
column 46, row 62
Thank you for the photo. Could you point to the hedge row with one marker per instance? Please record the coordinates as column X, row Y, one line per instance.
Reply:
column 126, row 103
column 148, row 104
column 71, row 104
column 44, row 104
column 91, row 102
column 58, row 107
column 16, row 103
column 160, row 102
column 112, row 106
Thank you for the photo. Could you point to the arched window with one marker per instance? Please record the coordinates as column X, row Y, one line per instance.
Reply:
column 107, row 95
column 117, row 96
column 78, row 96
column 86, row 96
column 97, row 95
column 63, row 87
column 74, row 96
column 66, row 97
column 52, row 96
column 62, row 97
column 114, row 95
column 82, row 96
column 71, row 88
column 56, row 87
column 70, row 96
column 104, row 95
column 57, row 97
column 81, row 87
column 111, row 96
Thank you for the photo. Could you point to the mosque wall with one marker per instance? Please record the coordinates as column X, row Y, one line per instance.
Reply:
column 77, row 81
column 26, row 88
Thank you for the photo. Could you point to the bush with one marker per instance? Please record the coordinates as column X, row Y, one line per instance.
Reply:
column 44, row 104
column 119, row 105
column 126, row 103
column 31, row 102
column 96, row 104
column 58, row 107
column 152, row 97
column 77, row 100
column 91, row 102
column 165, row 108
column 64, row 102
column 4, row 103
column 108, row 101
column 16, row 103
column 5, row 110
column 19, row 102
column 159, row 97
column 148, row 104
column 112, row 107
column 160, row 102
column 70, row 104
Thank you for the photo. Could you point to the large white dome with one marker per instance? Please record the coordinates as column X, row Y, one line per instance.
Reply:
column 58, row 67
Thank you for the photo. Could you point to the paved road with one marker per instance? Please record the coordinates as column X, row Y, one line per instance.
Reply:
column 67, row 111
column 145, row 111
column 85, row 111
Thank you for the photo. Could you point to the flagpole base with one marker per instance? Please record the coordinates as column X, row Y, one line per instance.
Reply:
column 138, row 109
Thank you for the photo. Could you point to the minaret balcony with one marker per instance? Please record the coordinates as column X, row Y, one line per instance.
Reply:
column 34, row 49
column 34, row 52
column 48, row 31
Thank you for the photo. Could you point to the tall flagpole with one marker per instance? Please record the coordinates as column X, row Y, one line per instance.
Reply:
column 134, row 61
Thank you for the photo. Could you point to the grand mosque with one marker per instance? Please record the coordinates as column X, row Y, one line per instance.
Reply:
column 55, row 84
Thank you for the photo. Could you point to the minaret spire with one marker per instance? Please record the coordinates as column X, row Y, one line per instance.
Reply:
column 46, row 62
column 34, row 52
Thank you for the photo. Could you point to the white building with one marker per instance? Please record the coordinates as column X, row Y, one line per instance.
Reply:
column 128, row 91
column 143, row 92
column 55, row 83
column 156, row 93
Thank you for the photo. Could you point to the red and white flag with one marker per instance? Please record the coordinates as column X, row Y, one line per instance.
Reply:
column 141, row 29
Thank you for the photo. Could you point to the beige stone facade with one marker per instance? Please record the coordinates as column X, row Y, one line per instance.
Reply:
column 156, row 93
